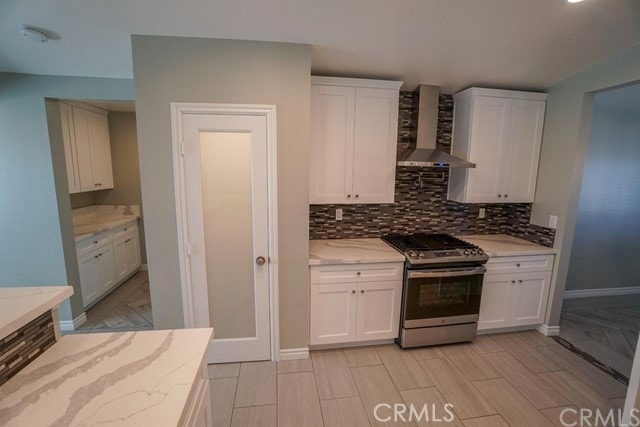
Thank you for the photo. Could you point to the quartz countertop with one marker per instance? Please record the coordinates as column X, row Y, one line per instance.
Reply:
column 351, row 251
column 19, row 306
column 92, row 220
column 125, row 379
column 505, row 245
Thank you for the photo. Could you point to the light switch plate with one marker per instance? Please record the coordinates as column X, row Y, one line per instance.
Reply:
column 553, row 221
column 482, row 213
column 338, row 214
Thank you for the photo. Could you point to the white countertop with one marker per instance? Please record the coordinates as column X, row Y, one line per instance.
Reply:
column 125, row 379
column 19, row 306
column 505, row 245
column 92, row 220
column 351, row 251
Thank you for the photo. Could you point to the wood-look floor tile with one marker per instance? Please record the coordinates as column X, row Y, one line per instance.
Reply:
column 594, row 377
column 293, row 366
column 255, row 416
column 425, row 353
column 490, row 421
column 437, row 414
column 485, row 344
column 579, row 393
column 223, row 391
column 563, row 416
column 538, row 392
column 375, row 386
column 511, row 405
column 223, row 370
column 256, row 384
column 529, row 355
column 534, row 338
column 457, row 389
column 474, row 367
column 362, row 356
column 344, row 412
column 619, row 402
column 333, row 376
column 457, row 349
column 403, row 368
column 298, row 403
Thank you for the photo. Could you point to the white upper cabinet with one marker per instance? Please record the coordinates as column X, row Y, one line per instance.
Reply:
column 354, row 128
column 85, row 131
column 500, row 131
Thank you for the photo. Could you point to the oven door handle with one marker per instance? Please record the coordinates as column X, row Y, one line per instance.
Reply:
column 447, row 273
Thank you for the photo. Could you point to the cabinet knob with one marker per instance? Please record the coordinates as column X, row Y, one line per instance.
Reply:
column 362, row 291
column 95, row 242
column 358, row 273
column 357, row 195
column 506, row 195
column 348, row 196
column 519, row 281
column 95, row 256
column 353, row 292
column 517, row 265
column 513, row 281
column 499, row 195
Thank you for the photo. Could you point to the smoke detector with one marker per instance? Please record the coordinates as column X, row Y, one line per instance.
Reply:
column 33, row 34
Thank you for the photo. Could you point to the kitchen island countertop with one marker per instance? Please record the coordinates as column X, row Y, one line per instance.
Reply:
column 351, row 251
column 505, row 245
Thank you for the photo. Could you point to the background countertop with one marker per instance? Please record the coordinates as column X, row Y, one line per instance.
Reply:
column 96, row 219
column 351, row 251
column 505, row 245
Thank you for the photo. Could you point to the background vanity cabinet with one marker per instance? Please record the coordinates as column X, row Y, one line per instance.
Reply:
column 85, row 133
column 515, row 291
column 351, row 303
column 106, row 260
column 354, row 132
column 500, row 131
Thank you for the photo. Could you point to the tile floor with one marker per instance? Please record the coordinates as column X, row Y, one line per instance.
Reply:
column 517, row 379
column 128, row 308
column 605, row 327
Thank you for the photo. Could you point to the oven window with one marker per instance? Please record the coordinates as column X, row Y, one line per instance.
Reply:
column 429, row 298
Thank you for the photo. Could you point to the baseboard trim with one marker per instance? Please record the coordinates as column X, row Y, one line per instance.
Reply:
column 72, row 325
column 549, row 331
column 143, row 267
column 294, row 353
column 601, row 292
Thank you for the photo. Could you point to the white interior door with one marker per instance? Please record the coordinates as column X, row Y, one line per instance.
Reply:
column 227, row 203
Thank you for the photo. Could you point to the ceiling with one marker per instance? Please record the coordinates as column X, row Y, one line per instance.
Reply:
column 519, row 44
column 114, row 106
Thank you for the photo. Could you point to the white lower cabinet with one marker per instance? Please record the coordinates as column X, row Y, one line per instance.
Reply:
column 105, row 261
column 362, row 308
column 514, row 299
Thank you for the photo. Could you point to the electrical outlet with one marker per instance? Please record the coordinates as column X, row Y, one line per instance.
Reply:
column 553, row 221
column 338, row 214
column 482, row 213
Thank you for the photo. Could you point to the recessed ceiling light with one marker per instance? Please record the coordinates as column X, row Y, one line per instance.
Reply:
column 574, row 1
column 33, row 34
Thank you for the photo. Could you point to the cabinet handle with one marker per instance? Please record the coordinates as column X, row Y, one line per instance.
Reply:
column 348, row 196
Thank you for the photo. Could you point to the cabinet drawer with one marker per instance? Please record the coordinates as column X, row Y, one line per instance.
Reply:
column 520, row 264
column 124, row 229
column 351, row 273
column 89, row 244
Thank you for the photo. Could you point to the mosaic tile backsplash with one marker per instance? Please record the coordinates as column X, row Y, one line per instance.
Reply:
column 421, row 203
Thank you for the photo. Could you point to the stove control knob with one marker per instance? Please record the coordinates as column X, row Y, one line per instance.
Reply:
column 466, row 252
column 480, row 252
column 421, row 254
column 473, row 251
column 412, row 254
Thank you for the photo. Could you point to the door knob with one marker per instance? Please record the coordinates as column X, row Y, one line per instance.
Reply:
column 260, row 260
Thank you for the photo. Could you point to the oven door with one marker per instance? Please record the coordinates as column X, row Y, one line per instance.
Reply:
column 442, row 296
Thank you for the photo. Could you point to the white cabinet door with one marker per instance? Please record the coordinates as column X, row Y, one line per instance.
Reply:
column 83, row 145
column 70, row 154
column 375, row 145
column 488, row 134
column 378, row 310
column 333, row 313
column 529, row 301
column 523, row 150
column 106, row 273
column 102, row 173
column 496, row 301
column 126, row 252
column 332, row 129
column 88, row 267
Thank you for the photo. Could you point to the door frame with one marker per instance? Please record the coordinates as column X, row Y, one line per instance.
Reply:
column 194, row 318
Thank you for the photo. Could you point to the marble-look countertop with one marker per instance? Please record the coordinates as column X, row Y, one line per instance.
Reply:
column 505, row 245
column 19, row 306
column 351, row 251
column 92, row 220
column 125, row 379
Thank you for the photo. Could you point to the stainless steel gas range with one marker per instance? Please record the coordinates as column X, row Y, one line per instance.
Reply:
column 442, row 288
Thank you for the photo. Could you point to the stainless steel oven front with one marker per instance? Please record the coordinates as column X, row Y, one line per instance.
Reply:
column 440, row 305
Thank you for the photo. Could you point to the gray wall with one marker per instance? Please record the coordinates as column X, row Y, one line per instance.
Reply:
column 564, row 144
column 126, row 169
column 36, row 237
column 168, row 69
column 606, row 248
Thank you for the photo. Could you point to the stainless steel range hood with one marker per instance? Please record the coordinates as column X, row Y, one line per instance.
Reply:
column 426, row 154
